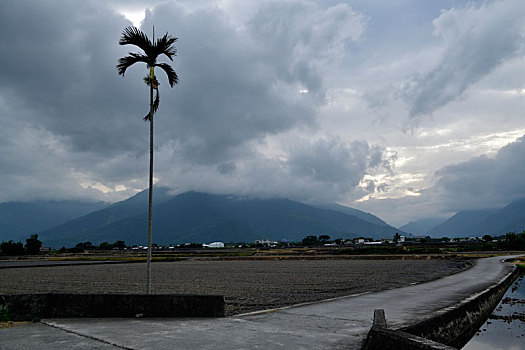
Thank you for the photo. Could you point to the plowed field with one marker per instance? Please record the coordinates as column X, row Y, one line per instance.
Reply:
column 246, row 285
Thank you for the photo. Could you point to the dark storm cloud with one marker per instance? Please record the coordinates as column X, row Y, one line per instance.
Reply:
column 59, row 87
column 226, row 97
column 59, row 61
column 226, row 168
column 61, row 98
column 484, row 181
column 305, row 170
column 240, row 83
column 331, row 169
column 476, row 39
column 333, row 161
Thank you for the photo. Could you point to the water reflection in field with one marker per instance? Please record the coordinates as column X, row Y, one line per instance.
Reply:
column 505, row 328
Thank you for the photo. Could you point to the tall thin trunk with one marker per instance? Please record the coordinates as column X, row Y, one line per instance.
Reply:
column 150, row 201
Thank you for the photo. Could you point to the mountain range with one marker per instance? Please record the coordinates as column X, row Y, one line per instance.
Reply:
column 201, row 217
column 467, row 223
column 18, row 220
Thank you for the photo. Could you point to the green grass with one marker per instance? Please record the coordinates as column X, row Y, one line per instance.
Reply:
column 5, row 315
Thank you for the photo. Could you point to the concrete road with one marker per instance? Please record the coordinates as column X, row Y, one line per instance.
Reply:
column 340, row 323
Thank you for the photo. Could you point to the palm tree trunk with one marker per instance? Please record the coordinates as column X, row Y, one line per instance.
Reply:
column 150, row 200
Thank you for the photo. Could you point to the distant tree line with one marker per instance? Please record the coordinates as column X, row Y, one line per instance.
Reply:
column 320, row 240
column 509, row 241
column 82, row 246
column 32, row 247
column 512, row 241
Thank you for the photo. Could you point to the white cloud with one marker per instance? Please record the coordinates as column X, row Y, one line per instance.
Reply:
column 476, row 40
column 478, row 183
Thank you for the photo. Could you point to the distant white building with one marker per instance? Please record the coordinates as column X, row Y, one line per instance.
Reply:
column 373, row 243
column 266, row 242
column 214, row 245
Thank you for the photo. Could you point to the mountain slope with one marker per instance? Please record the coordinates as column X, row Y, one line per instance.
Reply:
column 199, row 217
column 354, row 212
column 422, row 226
column 462, row 224
column 495, row 222
column 509, row 219
column 84, row 225
column 18, row 220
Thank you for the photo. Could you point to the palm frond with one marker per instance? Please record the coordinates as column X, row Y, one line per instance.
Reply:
column 148, row 81
column 132, row 58
column 134, row 36
column 170, row 72
column 156, row 102
column 163, row 46
column 154, row 107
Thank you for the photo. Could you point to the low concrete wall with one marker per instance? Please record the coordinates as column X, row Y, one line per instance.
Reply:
column 457, row 324
column 382, row 338
column 451, row 329
column 53, row 305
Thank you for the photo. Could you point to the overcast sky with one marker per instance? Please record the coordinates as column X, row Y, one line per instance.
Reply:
column 407, row 109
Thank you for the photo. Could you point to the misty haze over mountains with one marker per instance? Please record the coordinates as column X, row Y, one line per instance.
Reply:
column 466, row 223
column 200, row 217
column 20, row 219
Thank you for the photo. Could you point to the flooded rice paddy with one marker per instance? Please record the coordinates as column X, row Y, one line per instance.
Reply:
column 505, row 327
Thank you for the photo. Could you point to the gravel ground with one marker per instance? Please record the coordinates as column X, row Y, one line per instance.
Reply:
column 246, row 285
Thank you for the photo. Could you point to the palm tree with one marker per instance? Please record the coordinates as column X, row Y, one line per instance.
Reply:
column 151, row 51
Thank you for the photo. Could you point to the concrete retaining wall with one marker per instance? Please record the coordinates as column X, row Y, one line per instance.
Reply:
column 456, row 325
column 453, row 327
column 53, row 305
column 382, row 338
